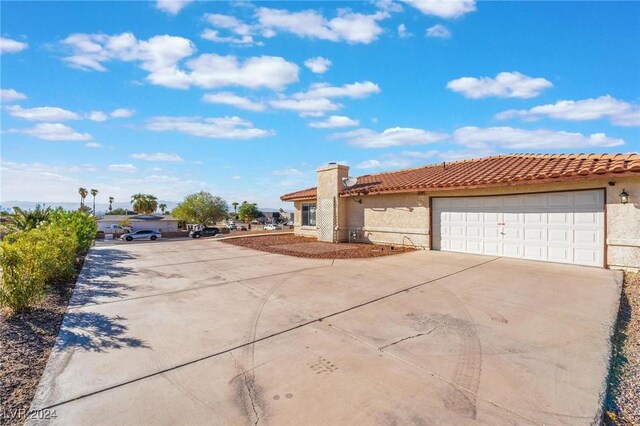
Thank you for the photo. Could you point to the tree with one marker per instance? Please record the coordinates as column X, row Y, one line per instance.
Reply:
column 201, row 208
column 111, row 200
column 94, row 192
column 125, row 222
column 83, row 194
column 247, row 212
column 144, row 203
column 162, row 207
column 121, row 211
column 235, row 205
column 24, row 220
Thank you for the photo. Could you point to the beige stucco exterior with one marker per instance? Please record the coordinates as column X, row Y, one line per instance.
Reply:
column 405, row 218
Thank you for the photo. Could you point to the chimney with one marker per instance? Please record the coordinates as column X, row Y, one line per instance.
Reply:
column 331, row 210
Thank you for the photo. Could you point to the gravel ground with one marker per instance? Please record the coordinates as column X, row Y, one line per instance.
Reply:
column 26, row 340
column 623, row 399
column 297, row 246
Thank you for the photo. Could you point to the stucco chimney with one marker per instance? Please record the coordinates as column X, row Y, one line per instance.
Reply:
column 330, row 211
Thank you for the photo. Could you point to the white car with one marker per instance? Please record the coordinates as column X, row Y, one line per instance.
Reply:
column 272, row 227
column 145, row 234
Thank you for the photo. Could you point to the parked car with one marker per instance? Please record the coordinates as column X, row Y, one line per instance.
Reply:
column 144, row 234
column 205, row 232
column 272, row 227
column 241, row 228
column 233, row 226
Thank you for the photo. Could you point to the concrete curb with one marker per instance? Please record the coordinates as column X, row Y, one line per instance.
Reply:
column 604, row 387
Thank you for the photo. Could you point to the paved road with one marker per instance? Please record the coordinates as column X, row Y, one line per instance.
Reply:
column 203, row 332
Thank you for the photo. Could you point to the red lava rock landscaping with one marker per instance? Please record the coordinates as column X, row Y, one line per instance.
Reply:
column 292, row 245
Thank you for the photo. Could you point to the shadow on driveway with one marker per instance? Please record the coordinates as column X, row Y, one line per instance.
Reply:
column 100, row 278
column 95, row 332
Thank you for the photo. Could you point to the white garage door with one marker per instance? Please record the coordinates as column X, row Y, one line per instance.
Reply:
column 566, row 227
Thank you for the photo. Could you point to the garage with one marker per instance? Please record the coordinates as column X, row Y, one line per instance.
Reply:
column 564, row 227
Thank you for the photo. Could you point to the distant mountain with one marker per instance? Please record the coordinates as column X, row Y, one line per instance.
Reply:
column 101, row 208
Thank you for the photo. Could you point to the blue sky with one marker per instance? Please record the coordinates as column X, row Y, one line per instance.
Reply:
column 246, row 100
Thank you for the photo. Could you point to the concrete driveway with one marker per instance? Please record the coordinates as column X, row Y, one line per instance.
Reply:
column 202, row 332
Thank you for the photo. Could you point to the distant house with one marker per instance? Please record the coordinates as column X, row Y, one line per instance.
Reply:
column 160, row 223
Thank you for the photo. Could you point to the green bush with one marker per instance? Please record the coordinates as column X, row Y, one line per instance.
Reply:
column 82, row 224
column 31, row 259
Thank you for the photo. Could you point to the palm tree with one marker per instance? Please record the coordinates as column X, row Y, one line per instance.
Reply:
column 162, row 207
column 111, row 200
column 24, row 220
column 144, row 203
column 94, row 192
column 235, row 206
column 83, row 194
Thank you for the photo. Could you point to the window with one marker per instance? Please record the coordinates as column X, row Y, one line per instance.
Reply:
column 309, row 214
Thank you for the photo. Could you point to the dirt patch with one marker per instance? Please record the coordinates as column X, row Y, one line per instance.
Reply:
column 292, row 245
column 623, row 403
column 26, row 340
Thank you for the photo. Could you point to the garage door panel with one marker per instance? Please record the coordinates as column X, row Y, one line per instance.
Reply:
column 559, row 200
column 588, row 198
column 512, row 250
column 533, row 252
column 563, row 227
column 534, row 235
column 559, row 254
column 586, row 218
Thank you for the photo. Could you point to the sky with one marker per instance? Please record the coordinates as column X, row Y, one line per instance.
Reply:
column 247, row 99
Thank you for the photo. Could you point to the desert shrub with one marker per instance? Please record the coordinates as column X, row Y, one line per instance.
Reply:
column 82, row 224
column 31, row 259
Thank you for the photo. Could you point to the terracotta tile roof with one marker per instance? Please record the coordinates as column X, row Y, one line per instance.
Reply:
column 490, row 171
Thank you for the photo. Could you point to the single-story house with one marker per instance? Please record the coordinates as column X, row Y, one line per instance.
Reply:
column 580, row 209
column 161, row 223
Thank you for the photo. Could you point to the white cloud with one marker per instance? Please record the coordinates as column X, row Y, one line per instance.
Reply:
column 161, row 56
column 443, row 8
column 211, row 70
column 228, row 98
column 505, row 85
column 214, row 128
column 318, row 64
column 42, row 113
column 158, row 156
column 313, row 107
column 317, row 100
column 397, row 136
column 347, row 26
column 236, row 177
column 93, row 145
column 122, row 113
column 8, row 45
column 53, row 132
column 403, row 32
column 439, row 31
column 620, row 113
column 98, row 116
column 243, row 32
column 354, row 91
column 287, row 172
column 172, row 7
column 400, row 160
column 521, row 139
column 125, row 168
column 10, row 95
column 335, row 121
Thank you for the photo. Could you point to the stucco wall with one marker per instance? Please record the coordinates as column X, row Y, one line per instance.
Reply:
column 401, row 219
